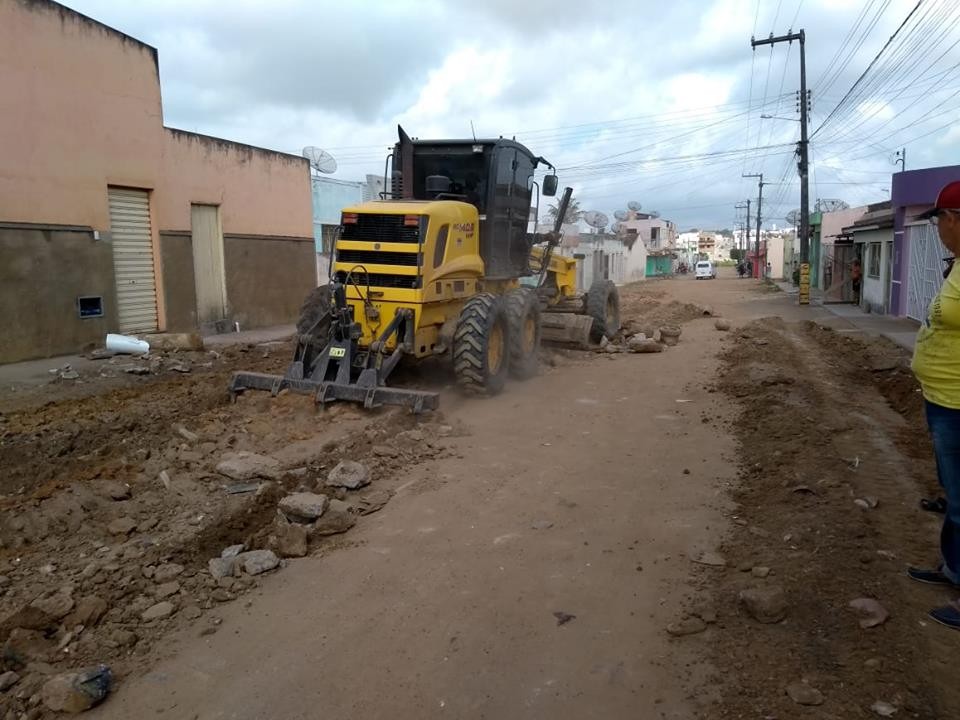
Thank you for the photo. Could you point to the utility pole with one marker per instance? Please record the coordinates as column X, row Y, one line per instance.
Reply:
column 803, row 165
column 746, row 237
column 902, row 159
column 756, row 247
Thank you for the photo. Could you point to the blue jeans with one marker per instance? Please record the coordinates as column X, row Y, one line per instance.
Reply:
column 944, row 426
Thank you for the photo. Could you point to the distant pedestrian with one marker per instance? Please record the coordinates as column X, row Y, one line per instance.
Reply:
column 856, row 275
column 936, row 363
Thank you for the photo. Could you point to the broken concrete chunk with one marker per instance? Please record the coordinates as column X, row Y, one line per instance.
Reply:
column 115, row 490
column 883, row 708
column 644, row 346
column 167, row 572
column 232, row 551
column 88, row 612
column 349, row 474
column 159, row 611
column 303, row 507
column 670, row 334
column 765, row 604
column 74, row 692
column 167, row 589
column 289, row 539
column 721, row 324
column 221, row 567
column 122, row 526
column 25, row 646
column 245, row 465
column 686, row 626
column 187, row 435
column 56, row 606
column 710, row 558
column 337, row 519
column 255, row 562
column 803, row 694
column 371, row 501
column 874, row 613
column 8, row 680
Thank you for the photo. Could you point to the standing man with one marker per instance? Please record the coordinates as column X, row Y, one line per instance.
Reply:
column 936, row 363
column 856, row 275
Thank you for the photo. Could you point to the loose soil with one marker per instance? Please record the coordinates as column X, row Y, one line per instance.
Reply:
column 826, row 420
column 531, row 549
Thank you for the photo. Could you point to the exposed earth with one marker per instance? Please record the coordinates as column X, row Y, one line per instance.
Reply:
column 677, row 534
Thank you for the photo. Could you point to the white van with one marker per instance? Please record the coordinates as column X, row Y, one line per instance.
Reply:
column 705, row 269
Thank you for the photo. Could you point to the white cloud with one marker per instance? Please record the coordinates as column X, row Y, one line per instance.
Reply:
column 640, row 81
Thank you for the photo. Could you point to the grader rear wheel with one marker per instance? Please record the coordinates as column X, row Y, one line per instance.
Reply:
column 523, row 315
column 481, row 345
column 603, row 305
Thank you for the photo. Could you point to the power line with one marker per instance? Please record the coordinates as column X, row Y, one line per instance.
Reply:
column 869, row 67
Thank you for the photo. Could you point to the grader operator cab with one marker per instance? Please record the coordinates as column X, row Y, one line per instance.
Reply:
column 444, row 267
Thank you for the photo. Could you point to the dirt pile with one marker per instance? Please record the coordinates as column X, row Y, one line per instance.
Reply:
column 143, row 508
column 827, row 509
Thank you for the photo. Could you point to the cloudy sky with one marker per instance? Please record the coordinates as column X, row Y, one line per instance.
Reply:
column 653, row 101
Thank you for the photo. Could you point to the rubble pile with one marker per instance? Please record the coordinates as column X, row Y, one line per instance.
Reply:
column 93, row 571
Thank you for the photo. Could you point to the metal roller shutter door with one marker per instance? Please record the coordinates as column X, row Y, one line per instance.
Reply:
column 133, row 260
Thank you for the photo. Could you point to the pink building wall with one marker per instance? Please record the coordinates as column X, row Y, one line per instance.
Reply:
column 81, row 109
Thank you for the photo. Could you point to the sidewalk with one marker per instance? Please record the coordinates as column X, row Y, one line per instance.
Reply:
column 43, row 370
column 275, row 333
column 902, row 331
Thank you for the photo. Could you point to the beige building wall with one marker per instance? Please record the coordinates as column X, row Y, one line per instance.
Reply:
column 260, row 192
column 80, row 111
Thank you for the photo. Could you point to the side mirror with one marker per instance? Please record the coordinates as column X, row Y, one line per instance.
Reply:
column 550, row 183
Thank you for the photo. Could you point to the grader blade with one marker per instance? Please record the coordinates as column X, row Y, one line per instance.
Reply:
column 369, row 395
column 566, row 328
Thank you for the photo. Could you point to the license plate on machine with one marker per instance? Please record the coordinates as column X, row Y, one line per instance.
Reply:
column 337, row 352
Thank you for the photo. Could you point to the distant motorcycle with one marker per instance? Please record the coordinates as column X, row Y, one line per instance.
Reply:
column 682, row 268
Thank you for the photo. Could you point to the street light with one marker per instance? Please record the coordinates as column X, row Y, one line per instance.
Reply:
column 776, row 117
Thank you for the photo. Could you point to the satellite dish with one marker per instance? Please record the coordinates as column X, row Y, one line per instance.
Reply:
column 793, row 217
column 633, row 205
column 621, row 215
column 654, row 214
column 320, row 160
column 617, row 227
column 595, row 219
column 827, row 205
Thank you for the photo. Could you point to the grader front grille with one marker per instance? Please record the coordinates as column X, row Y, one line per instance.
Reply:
column 381, row 229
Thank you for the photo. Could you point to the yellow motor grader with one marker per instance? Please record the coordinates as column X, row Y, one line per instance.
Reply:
column 444, row 266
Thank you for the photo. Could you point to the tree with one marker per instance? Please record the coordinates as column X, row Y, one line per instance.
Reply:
column 726, row 232
column 574, row 212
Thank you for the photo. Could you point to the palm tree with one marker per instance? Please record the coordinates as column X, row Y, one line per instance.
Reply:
column 573, row 214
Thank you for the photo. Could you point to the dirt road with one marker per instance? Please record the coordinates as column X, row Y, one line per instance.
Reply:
column 566, row 495
column 569, row 549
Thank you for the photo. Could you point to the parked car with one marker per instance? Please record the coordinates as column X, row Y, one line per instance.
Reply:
column 706, row 270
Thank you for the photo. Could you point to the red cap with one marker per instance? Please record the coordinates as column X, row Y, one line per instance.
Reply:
column 948, row 199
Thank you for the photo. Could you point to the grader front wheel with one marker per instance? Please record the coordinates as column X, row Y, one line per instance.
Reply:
column 481, row 345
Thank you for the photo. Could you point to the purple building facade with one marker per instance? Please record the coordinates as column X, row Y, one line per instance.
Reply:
column 912, row 192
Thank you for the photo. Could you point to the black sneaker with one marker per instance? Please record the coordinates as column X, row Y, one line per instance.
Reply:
column 947, row 615
column 931, row 577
